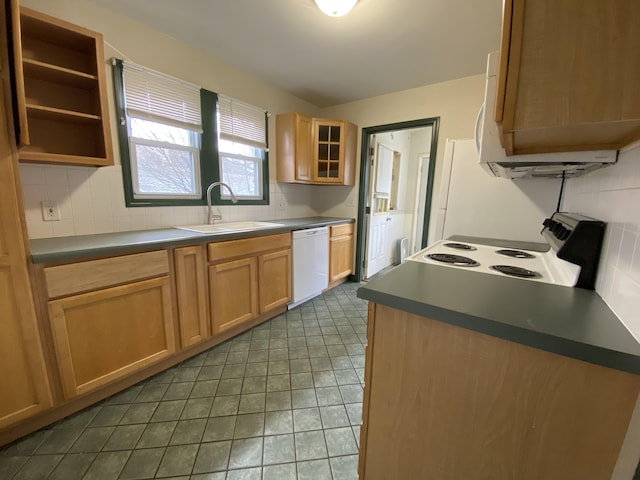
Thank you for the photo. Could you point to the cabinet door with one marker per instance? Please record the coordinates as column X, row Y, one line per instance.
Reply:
column 340, row 257
column 294, row 154
column 560, row 63
column 191, row 289
column 275, row 279
column 303, row 155
column 328, row 155
column 24, row 386
column 108, row 334
column 233, row 293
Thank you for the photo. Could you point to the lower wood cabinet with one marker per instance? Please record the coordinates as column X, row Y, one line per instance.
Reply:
column 233, row 288
column 274, row 272
column 105, row 335
column 444, row 402
column 191, row 294
column 249, row 277
column 109, row 318
column 340, row 251
column 24, row 385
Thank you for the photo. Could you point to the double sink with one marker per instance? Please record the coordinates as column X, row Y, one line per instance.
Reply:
column 230, row 227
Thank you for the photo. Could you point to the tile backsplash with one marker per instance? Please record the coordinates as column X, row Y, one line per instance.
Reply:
column 91, row 200
column 612, row 194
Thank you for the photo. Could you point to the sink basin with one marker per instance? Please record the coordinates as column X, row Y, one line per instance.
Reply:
column 229, row 227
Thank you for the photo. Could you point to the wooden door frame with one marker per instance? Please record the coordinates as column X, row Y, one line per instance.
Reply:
column 363, row 185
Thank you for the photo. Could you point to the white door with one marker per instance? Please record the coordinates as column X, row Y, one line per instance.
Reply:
column 378, row 228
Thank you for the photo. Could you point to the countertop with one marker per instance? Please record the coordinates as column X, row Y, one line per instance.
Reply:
column 78, row 247
column 568, row 321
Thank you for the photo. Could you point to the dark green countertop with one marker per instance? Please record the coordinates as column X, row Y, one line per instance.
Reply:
column 79, row 247
column 568, row 321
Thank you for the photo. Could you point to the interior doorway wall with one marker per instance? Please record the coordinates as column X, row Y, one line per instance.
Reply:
column 422, row 173
column 368, row 151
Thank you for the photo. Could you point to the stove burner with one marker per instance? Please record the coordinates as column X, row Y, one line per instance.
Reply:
column 515, row 271
column 456, row 260
column 460, row 246
column 515, row 253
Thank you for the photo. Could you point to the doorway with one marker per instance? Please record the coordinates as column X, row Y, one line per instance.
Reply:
column 388, row 202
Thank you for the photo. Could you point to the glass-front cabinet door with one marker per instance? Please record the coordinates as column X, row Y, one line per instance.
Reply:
column 328, row 151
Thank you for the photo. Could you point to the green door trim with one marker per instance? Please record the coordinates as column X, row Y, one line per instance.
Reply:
column 434, row 123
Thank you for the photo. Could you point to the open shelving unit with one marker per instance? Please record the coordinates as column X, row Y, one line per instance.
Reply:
column 60, row 88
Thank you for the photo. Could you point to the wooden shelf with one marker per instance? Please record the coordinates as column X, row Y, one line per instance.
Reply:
column 57, row 74
column 50, row 113
column 45, row 157
column 60, row 87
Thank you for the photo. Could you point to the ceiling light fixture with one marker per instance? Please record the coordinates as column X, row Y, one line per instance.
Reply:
column 335, row 8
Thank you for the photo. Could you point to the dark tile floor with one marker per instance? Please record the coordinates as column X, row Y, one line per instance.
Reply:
column 281, row 401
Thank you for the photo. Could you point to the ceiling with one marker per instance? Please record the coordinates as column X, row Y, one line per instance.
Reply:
column 381, row 46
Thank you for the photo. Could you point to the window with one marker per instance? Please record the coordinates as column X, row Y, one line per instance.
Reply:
column 164, row 160
column 171, row 147
column 242, row 147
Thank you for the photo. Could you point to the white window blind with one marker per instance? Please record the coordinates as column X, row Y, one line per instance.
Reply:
column 241, row 122
column 158, row 97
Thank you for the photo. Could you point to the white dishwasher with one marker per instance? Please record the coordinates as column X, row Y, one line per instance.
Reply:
column 310, row 263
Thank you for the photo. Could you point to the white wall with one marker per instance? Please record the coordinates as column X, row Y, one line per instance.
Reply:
column 92, row 200
column 420, row 145
column 612, row 194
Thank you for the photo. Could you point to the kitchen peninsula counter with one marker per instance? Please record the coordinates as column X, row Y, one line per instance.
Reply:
column 79, row 247
column 473, row 375
column 567, row 321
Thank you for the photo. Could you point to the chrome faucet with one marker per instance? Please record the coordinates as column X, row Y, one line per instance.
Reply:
column 211, row 218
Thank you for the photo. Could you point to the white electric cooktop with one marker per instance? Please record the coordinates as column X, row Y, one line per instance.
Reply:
column 542, row 267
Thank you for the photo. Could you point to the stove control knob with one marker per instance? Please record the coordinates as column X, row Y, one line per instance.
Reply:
column 547, row 222
column 565, row 234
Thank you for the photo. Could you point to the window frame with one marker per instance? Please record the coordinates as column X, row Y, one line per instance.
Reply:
column 209, row 158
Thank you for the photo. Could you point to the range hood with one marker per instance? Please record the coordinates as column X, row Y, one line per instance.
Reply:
column 495, row 161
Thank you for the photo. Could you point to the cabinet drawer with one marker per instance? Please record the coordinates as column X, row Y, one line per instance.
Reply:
column 84, row 276
column 247, row 246
column 339, row 230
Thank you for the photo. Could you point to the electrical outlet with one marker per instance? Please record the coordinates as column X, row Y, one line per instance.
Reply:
column 50, row 211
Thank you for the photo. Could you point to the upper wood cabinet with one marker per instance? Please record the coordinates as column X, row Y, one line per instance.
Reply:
column 569, row 75
column 315, row 150
column 293, row 147
column 60, row 85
